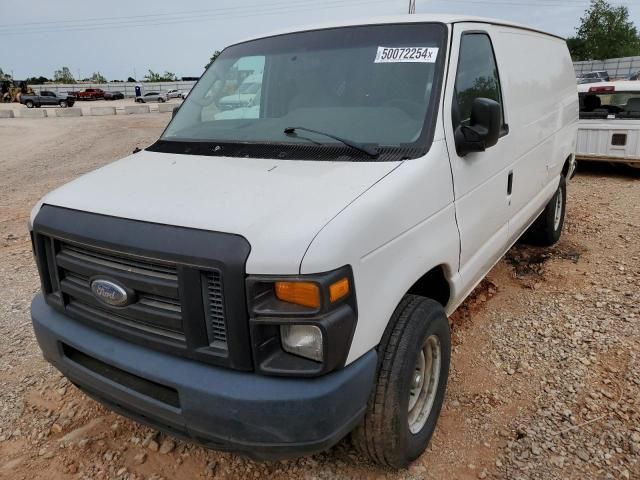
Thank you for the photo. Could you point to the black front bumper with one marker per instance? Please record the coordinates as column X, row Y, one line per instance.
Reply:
column 260, row 416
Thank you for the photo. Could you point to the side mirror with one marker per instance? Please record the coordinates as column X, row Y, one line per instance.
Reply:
column 483, row 130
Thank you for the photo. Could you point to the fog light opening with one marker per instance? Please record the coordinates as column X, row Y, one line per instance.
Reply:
column 303, row 340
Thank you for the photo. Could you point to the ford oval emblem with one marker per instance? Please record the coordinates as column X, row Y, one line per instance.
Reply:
column 109, row 292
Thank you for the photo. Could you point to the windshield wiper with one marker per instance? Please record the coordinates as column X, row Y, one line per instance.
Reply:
column 372, row 152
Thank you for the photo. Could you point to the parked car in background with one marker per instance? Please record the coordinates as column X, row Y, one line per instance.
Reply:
column 268, row 285
column 633, row 77
column 159, row 97
column 609, row 126
column 47, row 98
column 175, row 94
column 89, row 94
column 593, row 77
column 113, row 95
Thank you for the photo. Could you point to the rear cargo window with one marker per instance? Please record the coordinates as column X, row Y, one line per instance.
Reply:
column 610, row 105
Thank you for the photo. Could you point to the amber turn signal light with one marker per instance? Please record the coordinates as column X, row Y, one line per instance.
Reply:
column 338, row 290
column 306, row 294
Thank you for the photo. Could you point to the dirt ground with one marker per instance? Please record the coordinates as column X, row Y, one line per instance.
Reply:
column 545, row 380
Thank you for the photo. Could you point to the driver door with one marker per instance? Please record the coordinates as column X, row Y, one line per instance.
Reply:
column 482, row 180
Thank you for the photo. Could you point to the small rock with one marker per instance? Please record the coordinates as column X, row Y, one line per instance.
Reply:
column 167, row 446
column 147, row 440
column 583, row 455
column 153, row 446
column 557, row 461
column 140, row 458
column 210, row 470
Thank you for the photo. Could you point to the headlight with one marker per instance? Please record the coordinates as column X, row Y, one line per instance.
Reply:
column 301, row 324
column 303, row 340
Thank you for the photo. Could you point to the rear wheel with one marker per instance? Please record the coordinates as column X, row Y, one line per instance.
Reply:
column 547, row 228
column 160, row 100
column 413, row 368
column 29, row 104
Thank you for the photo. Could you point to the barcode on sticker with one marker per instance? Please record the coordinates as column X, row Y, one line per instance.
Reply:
column 406, row 55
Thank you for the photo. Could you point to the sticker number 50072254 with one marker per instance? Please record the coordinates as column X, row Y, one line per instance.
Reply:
column 406, row 55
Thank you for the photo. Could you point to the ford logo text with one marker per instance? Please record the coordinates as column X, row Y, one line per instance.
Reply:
column 110, row 293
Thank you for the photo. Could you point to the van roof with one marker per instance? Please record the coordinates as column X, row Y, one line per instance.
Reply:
column 448, row 19
column 620, row 86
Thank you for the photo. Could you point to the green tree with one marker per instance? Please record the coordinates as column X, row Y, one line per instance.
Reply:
column 37, row 80
column 160, row 77
column 576, row 49
column 212, row 59
column 97, row 77
column 131, row 79
column 606, row 32
column 63, row 76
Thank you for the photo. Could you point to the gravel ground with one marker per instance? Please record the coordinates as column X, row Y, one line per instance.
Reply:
column 545, row 381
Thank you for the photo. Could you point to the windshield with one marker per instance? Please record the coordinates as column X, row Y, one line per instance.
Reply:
column 377, row 85
column 610, row 105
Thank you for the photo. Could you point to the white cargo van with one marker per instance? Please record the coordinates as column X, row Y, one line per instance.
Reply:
column 609, row 126
column 268, row 285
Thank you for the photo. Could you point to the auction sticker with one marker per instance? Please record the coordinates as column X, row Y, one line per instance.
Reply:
column 406, row 55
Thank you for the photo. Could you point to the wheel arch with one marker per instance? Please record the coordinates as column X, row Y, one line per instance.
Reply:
column 433, row 284
column 566, row 167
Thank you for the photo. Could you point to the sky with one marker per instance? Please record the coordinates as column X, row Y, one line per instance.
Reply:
column 127, row 38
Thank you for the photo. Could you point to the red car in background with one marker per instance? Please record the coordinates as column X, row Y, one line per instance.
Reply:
column 89, row 94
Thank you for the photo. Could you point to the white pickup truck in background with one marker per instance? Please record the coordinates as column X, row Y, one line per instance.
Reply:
column 609, row 126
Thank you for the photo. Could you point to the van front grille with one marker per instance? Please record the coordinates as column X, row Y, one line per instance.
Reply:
column 185, row 288
column 156, row 307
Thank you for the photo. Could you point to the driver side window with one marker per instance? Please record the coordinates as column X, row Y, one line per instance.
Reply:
column 477, row 76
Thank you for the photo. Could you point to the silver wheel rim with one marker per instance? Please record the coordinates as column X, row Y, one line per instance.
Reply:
column 558, row 215
column 424, row 383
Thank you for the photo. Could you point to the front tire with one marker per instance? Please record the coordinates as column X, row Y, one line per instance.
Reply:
column 413, row 369
column 29, row 104
column 63, row 104
column 547, row 228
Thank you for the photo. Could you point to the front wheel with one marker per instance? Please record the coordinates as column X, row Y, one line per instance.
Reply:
column 547, row 228
column 161, row 100
column 29, row 104
column 63, row 103
column 413, row 369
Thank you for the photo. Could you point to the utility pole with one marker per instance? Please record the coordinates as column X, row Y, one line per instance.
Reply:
column 412, row 7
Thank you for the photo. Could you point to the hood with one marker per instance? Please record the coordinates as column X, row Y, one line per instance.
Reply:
column 277, row 205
